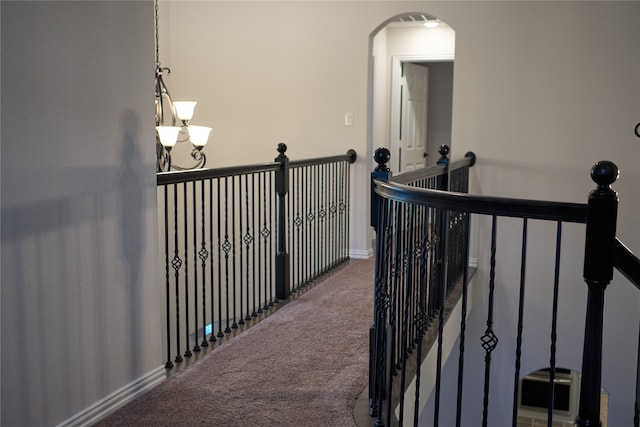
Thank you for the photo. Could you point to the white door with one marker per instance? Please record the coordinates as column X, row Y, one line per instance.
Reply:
column 414, row 88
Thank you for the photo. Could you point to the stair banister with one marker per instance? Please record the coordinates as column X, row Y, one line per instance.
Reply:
column 283, row 271
column 600, row 239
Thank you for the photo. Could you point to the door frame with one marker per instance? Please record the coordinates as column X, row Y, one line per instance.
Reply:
column 396, row 75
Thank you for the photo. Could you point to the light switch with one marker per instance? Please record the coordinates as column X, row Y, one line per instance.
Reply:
column 348, row 118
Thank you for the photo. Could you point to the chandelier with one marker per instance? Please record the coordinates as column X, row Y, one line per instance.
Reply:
column 178, row 114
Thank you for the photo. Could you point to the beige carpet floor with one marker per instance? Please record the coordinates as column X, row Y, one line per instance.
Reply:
column 304, row 365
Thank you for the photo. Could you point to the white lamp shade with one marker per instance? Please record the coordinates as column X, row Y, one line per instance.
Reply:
column 184, row 109
column 168, row 135
column 199, row 135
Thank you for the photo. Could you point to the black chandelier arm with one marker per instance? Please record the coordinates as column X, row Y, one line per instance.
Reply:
column 163, row 158
column 165, row 163
column 162, row 96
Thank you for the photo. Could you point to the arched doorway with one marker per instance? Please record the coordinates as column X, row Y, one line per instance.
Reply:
column 411, row 88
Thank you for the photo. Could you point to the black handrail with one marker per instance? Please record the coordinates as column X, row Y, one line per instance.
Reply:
column 350, row 157
column 626, row 262
column 175, row 177
column 487, row 205
column 422, row 173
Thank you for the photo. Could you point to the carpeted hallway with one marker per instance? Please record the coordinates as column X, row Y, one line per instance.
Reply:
column 304, row 365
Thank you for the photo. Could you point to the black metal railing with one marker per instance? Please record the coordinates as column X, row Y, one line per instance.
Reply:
column 412, row 277
column 225, row 236
column 422, row 252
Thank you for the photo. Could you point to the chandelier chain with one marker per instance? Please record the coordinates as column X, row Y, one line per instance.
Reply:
column 157, row 33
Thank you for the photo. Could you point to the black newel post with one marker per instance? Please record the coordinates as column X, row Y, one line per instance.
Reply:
column 382, row 173
column 378, row 331
column 443, row 183
column 283, row 284
column 441, row 223
column 598, row 272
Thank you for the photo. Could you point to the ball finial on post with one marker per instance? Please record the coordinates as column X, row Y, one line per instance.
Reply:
column 282, row 148
column 382, row 156
column 604, row 173
column 444, row 152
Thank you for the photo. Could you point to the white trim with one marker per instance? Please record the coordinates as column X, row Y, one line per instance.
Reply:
column 360, row 254
column 117, row 399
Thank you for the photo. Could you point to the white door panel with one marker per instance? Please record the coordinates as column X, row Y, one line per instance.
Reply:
column 413, row 117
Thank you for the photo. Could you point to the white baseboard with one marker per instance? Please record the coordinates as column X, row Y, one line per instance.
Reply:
column 360, row 254
column 115, row 400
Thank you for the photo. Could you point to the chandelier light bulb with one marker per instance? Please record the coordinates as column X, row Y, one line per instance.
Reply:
column 184, row 109
column 199, row 135
column 168, row 135
column 431, row 23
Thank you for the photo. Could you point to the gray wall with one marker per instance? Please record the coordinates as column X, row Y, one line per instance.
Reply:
column 80, row 305
column 440, row 107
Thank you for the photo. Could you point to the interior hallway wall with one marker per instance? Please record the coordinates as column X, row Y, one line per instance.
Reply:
column 81, row 304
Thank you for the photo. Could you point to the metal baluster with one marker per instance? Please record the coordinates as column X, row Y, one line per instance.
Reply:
column 334, row 216
column 291, row 237
column 220, row 334
column 347, row 201
column 382, row 301
column 489, row 339
column 326, row 220
column 433, row 265
column 422, row 317
column 176, row 264
column 292, row 229
column 298, row 223
column 226, row 246
column 554, row 325
column 234, row 325
column 265, row 236
column 340, row 225
column 253, row 227
column 393, row 291
column 240, row 242
column 408, row 291
column 203, row 258
column 304, row 270
column 312, row 222
column 311, row 219
column 272, row 298
column 196, row 346
column 169, row 363
column 248, row 238
column 444, row 249
column 187, row 352
column 212, row 337
column 463, row 321
column 523, row 268
column 636, row 409
column 318, row 221
column 261, row 269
